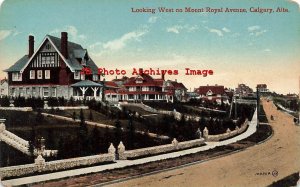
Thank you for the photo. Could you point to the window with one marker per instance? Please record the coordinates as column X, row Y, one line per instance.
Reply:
column 21, row 92
column 77, row 75
column 45, row 92
column 13, row 92
column 53, row 94
column 16, row 76
column 27, row 91
column 47, row 58
column 82, row 77
column 39, row 74
column 48, row 46
column 47, row 74
column 32, row 74
column 33, row 91
column 95, row 77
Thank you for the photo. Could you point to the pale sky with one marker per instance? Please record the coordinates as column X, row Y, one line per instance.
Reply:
column 249, row 48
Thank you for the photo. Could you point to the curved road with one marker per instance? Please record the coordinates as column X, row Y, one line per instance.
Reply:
column 253, row 167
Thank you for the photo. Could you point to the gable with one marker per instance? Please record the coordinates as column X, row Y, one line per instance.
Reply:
column 44, row 47
column 46, row 56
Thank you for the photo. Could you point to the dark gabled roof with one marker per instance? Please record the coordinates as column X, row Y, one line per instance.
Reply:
column 75, row 51
column 18, row 65
column 214, row 89
column 87, row 83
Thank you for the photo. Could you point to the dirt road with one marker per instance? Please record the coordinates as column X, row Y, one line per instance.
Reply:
column 257, row 166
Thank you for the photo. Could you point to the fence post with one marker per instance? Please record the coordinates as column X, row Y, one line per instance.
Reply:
column 121, row 151
column 39, row 163
column 175, row 143
column 205, row 133
column 112, row 150
column 228, row 130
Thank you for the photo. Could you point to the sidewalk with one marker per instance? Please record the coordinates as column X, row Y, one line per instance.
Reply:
column 125, row 163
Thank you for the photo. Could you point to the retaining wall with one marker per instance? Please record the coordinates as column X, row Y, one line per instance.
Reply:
column 41, row 166
column 174, row 146
column 218, row 137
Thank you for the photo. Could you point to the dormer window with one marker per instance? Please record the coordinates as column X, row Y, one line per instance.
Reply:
column 95, row 77
column 77, row 75
column 48, row 46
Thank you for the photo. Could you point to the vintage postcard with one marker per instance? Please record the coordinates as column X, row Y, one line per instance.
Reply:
column 149, row 93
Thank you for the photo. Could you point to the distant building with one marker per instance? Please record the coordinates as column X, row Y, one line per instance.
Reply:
column 3, row 87
column 243, row 90
column 212, row 93
column 177, row 89
column 262, row 88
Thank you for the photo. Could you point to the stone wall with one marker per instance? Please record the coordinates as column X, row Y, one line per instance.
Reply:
column 174, row 146
column 41, row 166
column 67, row 107
column 228, row 134
column 25, row 109
column 177, row 115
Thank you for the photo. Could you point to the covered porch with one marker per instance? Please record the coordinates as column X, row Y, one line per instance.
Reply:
column 88, row 90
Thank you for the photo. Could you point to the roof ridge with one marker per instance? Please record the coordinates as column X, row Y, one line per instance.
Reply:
column 60, row 39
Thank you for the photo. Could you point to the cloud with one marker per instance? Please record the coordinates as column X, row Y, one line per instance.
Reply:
column 4, row 34
column 260, row 32
column 95, row 45
column 256, row 30
column 72, row 32
column 267, row 50
column 175, row 29
column 152, row 19
column 225, row 29
column 178, row 28
column 253, row 28
column 121, row 42
column 218, row 32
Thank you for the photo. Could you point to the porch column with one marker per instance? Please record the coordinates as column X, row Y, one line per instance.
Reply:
column 95, row 89
column 83, row 89
column 101, row 90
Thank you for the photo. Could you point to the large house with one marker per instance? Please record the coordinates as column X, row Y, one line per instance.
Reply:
column 144, row 87
column 212, row 93
column 54, row 70
column 243, row 91
column 263, row 88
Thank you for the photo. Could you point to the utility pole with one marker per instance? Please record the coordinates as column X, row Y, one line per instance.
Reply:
column 257, row 104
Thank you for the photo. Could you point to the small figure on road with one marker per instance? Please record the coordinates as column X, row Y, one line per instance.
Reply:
column 272, row 118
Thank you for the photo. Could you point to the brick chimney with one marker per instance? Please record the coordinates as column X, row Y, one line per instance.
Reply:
column 64, row 44
column 141, row 71
column 30, row 45
column 163, row 76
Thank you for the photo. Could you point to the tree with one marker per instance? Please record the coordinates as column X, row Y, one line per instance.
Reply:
column 32, row 142
column 82, row 135
column 131, row 130
column 39, row 117
column 95, row 141
column 91, row 116
column 74, row 116
column 61, row 147
column 118, row 130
